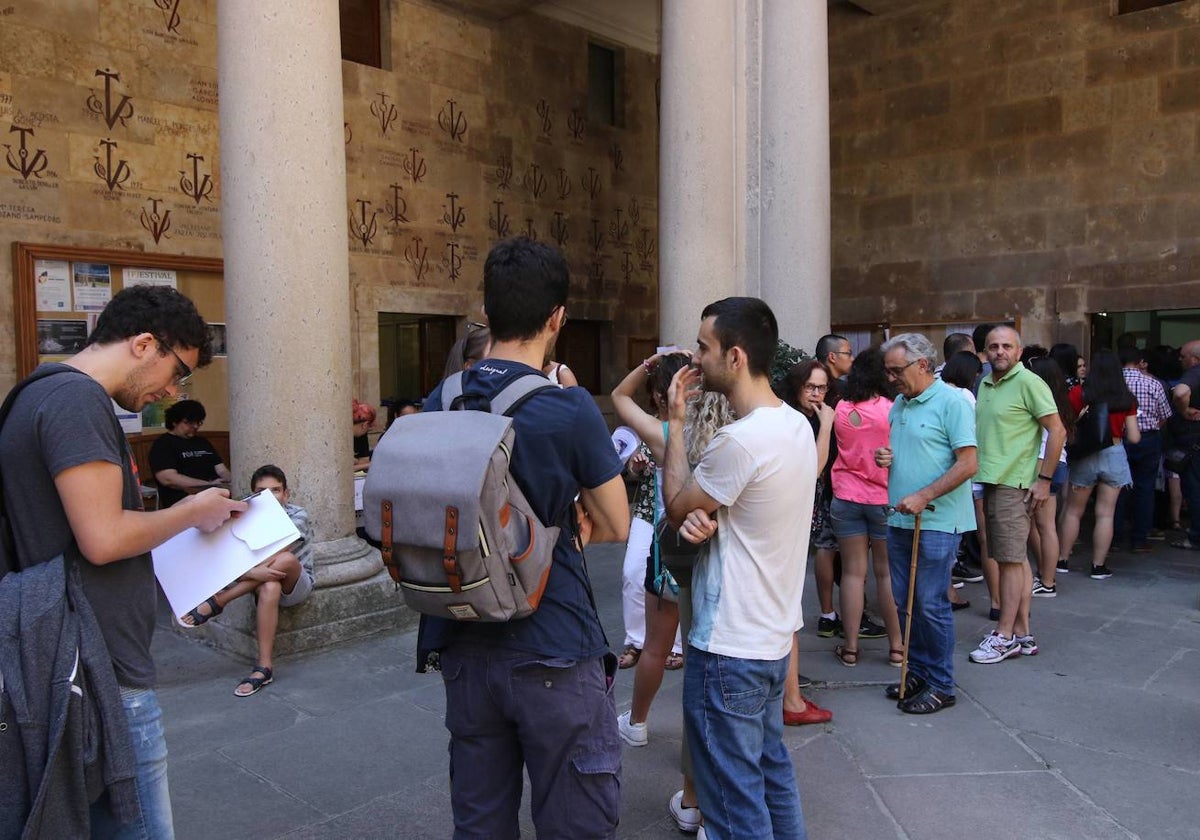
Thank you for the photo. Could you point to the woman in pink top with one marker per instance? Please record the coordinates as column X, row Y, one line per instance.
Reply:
column 860, row 498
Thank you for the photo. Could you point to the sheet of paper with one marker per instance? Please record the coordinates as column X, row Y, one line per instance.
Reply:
column 191, row 566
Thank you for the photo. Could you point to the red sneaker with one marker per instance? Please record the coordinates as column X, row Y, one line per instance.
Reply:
column 812, row 714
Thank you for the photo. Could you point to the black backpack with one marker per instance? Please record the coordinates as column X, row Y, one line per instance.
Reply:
column 8, row 549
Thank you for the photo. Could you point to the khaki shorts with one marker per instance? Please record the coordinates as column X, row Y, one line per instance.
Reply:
column 1007, row 522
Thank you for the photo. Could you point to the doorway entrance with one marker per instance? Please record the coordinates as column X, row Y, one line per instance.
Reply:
column 412, row 353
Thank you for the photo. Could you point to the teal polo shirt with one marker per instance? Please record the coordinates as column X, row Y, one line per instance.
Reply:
column 926, row 430
column 1007, row 424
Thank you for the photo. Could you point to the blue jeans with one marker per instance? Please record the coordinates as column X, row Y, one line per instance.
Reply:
column 1137, row 502
column 931, row 648
column 505, row 709
column 733, row 715
column 150, row 753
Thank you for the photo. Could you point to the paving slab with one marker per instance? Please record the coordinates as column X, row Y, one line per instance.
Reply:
column 1096, row 737
column 990, row 807
column 1143, row 797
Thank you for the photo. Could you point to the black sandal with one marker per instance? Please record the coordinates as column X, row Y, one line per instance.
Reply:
column 256, row 683
column 913, row 685
column 199, row 619
column 926, row 703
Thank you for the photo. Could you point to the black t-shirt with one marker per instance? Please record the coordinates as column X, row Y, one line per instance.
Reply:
column 193, row 457
column 1187, row 432
column 60, row 422
column 561, row 445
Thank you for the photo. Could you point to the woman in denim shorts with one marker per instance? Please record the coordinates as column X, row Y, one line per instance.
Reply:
column 860, row 498
column 1043, row 536
column 1106, row 470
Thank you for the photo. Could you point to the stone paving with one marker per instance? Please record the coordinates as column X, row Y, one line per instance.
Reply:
column 1098, row 736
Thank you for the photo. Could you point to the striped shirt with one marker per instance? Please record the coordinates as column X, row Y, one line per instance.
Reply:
column 1153, row 408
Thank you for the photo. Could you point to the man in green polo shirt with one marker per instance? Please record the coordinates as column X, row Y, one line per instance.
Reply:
column 1014, row 406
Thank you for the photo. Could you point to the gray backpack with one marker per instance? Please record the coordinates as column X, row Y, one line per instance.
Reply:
column 455, row 531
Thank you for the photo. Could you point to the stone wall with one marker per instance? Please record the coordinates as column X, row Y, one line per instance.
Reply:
column 1031, row 159
column 111, row 116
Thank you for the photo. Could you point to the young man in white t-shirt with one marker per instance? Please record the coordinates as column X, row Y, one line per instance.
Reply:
column 756, row 478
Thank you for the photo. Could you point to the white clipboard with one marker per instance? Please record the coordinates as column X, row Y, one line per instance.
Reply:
column 192, row 566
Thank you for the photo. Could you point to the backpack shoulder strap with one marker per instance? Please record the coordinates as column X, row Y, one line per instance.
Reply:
column 516, row 392
column 452, row 389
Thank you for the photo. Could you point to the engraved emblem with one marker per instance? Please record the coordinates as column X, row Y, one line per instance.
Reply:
column 385, row 112
column 454, row 215
column 113, row 175
column 452, row 120
column 196, row 188
column 364, row 227
column 157, row 224
column 499, row 222
column 112, row 113
column 29, row 165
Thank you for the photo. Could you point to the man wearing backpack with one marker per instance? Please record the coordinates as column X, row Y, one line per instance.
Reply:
column 70, row 488
column 753, row 489
column 537, row 691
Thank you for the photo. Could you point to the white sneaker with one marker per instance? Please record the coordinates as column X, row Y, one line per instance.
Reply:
column 995, row 648
column 688, row 819
column 633, row 734
column 701, row 834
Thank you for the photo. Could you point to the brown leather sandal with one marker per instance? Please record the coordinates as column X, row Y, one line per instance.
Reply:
column 847, row 657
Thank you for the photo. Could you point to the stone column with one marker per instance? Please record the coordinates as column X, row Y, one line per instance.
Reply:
column 287, row 299
column 744, row 163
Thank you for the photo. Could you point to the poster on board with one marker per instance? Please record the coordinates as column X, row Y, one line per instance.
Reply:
column 53, row 285
column 149, row 277
column 60, row 337
column 93, row 286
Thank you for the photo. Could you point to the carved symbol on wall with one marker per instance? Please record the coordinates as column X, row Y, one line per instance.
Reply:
column 170, row 9
column 596, row 238
column 627, row 267
column 398, row 208
column 576, row 124
column 534, row 180
column 452, row 120
column 453, row 260
column 349, row 133
column 414, row 165
column 618, row 230
column 645, row 248
column 113, row 176
column 564, row 183
column 384, row 112
column 364, row 227
column 543, row 111
column 504, row 172
column 30, row 166
column 591, row 183
column 196, row 188
column 596, row 271
column 415, row 255
column 112, row 114
column 617, row 157
column 499, row 222
column 157, row 224
column 559, row 229
column 530, row 231
column 455, row 216
column 635, row 212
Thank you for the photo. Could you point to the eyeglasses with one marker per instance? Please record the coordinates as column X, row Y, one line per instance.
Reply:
column 475, row 325
column 896, row 371
column 843, row 352
column 183, row 372
column 816, row 389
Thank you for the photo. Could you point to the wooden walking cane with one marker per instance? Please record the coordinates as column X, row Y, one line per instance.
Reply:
column 912, row 585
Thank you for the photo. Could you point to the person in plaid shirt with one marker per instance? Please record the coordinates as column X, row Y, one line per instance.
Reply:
column 1136, row 505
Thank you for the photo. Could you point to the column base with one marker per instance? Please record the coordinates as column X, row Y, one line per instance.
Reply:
column 354, row 596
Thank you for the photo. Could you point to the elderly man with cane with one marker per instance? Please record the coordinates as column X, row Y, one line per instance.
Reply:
column 931, row 457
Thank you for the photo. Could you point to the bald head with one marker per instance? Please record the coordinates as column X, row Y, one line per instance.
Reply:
column 1189, row 354
column 1003, row 350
